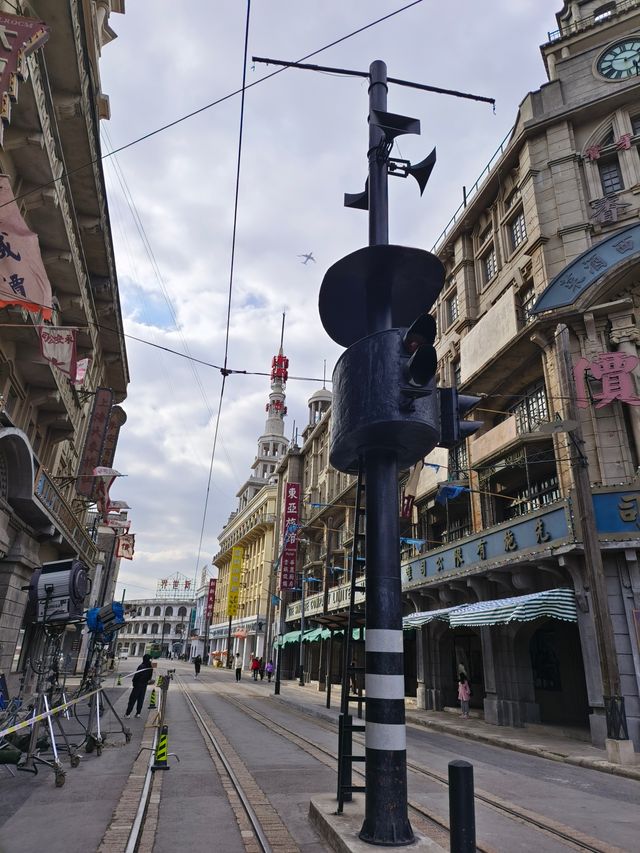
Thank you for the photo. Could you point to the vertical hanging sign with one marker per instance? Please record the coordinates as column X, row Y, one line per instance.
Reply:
column 211, row 597
column 94, row 441
column 235, row 570
column 291, row 515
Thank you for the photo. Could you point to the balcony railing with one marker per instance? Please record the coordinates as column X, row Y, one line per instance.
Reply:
column 64, row 517
column 591, row 20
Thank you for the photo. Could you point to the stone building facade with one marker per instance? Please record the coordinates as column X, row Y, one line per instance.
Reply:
column 163, row 623
column 538, row 319
column 50, row 132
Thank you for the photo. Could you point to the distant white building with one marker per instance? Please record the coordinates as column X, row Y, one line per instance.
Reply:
column 161, row 624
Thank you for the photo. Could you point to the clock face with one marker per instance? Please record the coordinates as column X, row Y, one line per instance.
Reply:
column 621, row 61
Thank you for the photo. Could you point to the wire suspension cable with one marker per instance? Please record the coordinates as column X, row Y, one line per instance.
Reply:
column 213, row 103
column 231, row 267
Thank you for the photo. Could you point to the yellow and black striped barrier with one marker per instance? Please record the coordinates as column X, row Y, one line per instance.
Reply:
column 50, row 713
column 162, row 752
column 152, row 699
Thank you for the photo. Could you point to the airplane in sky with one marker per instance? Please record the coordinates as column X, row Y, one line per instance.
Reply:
column 308, row 256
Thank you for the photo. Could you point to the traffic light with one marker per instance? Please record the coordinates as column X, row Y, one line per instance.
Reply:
column 453, row 407
column 420, row 370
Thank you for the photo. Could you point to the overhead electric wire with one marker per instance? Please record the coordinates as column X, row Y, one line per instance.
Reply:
column 213, row 103
column 224, row 370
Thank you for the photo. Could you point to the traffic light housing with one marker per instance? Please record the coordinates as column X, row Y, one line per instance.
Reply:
column 418, row 341
column 453, row 407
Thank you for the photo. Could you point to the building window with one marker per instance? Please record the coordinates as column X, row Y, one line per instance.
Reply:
column 489, row 264
column 145, row 628
column 635, row 125
column 610, row 176
column 517, row 230
column 154, row 628
column 147, row 611
column 538, row 495
column 532, row 410
column 156, row 611
column 452, row 308
column 456, row 372
column 182, row 612
column 168, row 611
column 459, row 462
column 527, row 300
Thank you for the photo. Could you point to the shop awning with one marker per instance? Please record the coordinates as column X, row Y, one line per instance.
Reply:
column 415, row 620
column 550, row 604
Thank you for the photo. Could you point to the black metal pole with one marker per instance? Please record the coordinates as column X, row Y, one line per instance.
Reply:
column 229, row 662
column 386, row 810
column 462, row 819
column 301, row 660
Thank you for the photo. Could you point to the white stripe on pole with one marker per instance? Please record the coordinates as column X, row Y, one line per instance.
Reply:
column 383, row 640
column 384, row 686
column 385, row 736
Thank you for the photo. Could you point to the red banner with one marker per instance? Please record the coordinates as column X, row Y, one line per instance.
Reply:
column 18, row 38
column 291, row 514
column 94, row 441
column 211, row 597
column 125, row 546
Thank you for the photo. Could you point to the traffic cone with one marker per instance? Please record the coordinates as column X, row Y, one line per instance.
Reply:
column 119, row 682
column 152, row 699
column 162, row 748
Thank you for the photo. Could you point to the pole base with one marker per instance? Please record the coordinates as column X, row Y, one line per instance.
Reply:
column 386, row 833
column 155, row 767
column 621, row 752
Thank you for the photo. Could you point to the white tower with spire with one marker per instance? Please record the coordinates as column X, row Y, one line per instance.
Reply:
column 272, row 444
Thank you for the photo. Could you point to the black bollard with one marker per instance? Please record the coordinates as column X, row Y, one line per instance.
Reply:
column 462, row 818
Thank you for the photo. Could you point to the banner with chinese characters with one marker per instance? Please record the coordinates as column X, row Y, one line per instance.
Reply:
column 117, row 418
column 58, row 346
column 23, row 280
column 291, row 515
column 103, row 480
column 235, row 570
column 81, row 372
column 211, row 598
column 125, row 545
column 177, row 586
column 94, row 441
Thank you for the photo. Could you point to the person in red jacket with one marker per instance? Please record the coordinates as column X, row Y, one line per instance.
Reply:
column 255, row 667
column 464, row 694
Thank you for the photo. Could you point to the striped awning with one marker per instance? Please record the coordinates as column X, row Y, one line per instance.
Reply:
column 415, row 620
column 550, row 604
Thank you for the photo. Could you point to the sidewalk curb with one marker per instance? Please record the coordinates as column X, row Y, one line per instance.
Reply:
column 603, row 765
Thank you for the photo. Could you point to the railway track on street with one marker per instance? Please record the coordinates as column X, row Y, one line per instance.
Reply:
column 568, row 837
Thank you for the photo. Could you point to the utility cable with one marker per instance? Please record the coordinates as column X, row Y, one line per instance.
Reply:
column 224, row 369
column 213, row 103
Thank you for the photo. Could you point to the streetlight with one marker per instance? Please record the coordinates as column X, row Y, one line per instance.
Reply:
column 302, row 588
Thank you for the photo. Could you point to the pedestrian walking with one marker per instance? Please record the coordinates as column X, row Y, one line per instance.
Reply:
column 238, row 666
column 255, row 667
column 197, row 662
column 269, row 670
column 353, row 681
column 464, row 694
column 261, row 668
column 141, row 678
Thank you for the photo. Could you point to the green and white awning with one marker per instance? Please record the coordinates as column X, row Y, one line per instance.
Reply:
column 550, row 604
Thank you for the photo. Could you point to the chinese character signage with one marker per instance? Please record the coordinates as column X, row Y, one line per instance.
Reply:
column 291, row 515
column 23, row 280
column 19, row 37
column 117, row 418
column 125, row 547
column 211, row 597
column 613, row 370
column 58, row 346
column 94, row 441
column 235, row 570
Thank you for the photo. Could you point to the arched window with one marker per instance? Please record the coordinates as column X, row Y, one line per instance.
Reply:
column 179, row 628
column 157, row 611
column 139, row 611
column 603, row 12
column 147, row 611
column 182, row 612
column 168, row 611
column 145, row 628
column 154, row 628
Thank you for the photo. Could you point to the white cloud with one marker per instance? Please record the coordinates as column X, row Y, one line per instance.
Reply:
column 305, row 141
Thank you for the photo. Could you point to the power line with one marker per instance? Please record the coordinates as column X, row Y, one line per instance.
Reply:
column 224, row 371
column 213, row 103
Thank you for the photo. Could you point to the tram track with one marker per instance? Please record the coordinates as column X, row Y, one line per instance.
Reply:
column 570, row 838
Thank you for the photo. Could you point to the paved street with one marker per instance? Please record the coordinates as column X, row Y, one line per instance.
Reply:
column 258, row 732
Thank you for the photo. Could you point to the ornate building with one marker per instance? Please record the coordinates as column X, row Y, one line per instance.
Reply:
column 251, row 529
column 538, row 319
column 50, row 153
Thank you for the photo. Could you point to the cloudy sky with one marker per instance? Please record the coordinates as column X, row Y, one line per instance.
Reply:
column 171, row 201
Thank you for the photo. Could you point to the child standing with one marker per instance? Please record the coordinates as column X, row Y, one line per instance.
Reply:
column 464, row 693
